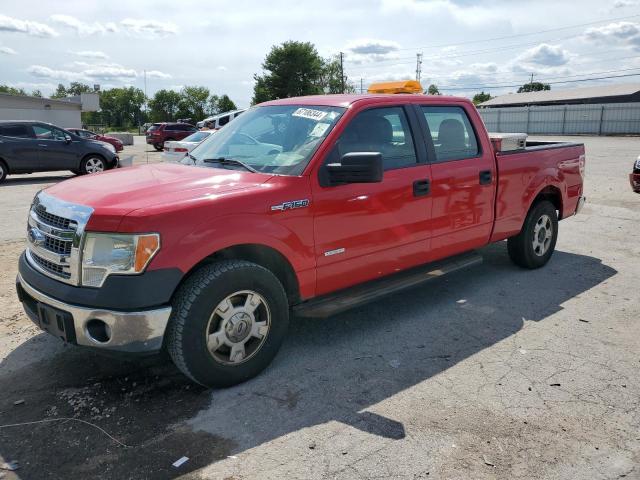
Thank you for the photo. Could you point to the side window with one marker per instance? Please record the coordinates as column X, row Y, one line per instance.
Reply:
column 170, row 127
column 385, row 130
column 223, row 120
column 17, row 131
column 452, row 134
column 44, row 132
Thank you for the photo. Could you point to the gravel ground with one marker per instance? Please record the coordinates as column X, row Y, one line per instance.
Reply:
column 495, row 372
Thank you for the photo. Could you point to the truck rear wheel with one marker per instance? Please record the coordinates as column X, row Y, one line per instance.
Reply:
column 228, row 322
column 534, row 245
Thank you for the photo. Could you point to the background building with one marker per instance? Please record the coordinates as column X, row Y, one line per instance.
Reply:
column 64, row 112
column 603, row 110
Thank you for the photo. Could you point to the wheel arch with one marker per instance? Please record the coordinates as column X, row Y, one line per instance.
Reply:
column 553, row 195
column 263, row 255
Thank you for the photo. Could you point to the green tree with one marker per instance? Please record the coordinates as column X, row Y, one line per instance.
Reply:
column 289, row 70
column 122, row 107
column 534, row 87
column 193, row 103
column 60, row 92
column 36, row 93
column 481, row 97
column 164, row 106
column 331, row 81
column 225, row 104
column 433, row 90
column 12, row 90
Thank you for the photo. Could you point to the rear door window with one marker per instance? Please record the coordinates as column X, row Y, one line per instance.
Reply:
column 17, row 131
column 45, row 132
column 223, row 120
column 385, row 130
column 451, row 132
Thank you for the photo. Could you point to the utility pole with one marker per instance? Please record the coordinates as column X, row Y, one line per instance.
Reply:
column 418, row 66
column 361, row 88
column 531, row 83
column 341, row 72
column 146, row 101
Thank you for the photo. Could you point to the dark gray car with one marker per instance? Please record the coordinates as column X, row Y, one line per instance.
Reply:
column 27, row 147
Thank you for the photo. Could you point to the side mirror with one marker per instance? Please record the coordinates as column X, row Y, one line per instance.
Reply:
column 67, row 139
column 355, row 167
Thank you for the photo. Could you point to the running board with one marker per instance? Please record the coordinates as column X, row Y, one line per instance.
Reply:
column 334, row 303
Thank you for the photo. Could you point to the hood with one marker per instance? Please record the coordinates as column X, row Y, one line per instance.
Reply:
column 118, row 192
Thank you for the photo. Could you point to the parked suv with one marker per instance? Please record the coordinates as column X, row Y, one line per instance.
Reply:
column 118, row 145
column 27, row 147
column 158, row 133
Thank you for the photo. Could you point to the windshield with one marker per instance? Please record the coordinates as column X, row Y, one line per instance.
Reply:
column 274, row 139
column 196, row 137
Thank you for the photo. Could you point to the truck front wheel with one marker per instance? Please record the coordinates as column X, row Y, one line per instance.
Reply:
column 534, row 245
column 227, row 323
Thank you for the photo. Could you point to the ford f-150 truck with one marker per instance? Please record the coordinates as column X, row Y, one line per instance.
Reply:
column 309, row 205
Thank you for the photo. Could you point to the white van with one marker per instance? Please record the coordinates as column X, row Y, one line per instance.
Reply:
column 216, row 122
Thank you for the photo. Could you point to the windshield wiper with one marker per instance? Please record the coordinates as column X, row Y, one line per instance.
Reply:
column 230, row 161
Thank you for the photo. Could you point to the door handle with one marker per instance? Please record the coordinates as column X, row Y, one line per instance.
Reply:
column 42, row 145
column 486, row 177
column 421, row 187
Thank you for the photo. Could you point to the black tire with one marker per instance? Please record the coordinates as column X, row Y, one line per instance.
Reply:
column 522, row 248
column 91, row 163
column 158, row 146
column 3, row 171
column 193, row 309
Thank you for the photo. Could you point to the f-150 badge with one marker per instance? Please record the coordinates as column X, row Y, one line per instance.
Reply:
column 290, row 205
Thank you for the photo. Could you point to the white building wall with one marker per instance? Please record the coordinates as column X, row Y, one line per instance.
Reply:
column 61, row 118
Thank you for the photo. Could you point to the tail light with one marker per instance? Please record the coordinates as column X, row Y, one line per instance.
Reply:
column 180, row 149
column 581, row 163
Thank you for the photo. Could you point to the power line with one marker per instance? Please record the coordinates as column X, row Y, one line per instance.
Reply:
column 568, row 27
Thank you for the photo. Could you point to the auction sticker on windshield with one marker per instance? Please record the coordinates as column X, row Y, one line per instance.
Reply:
column 310, row 113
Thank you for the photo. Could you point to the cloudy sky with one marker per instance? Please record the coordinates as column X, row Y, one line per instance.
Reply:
column 467, row 45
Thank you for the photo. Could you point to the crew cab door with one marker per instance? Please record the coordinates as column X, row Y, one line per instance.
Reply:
column 463, row 179
column 367, row 230
column 55, row 152
column 18, row 147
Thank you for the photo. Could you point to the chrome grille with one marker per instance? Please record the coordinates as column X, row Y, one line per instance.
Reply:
column 54, row 237
column 51, row 267
column 51, row 219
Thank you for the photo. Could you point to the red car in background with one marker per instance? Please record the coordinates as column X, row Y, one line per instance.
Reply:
column 118, row 145
column 158, row 133
column 634, row 176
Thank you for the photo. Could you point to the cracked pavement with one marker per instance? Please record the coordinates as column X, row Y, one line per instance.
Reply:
column 492, row 372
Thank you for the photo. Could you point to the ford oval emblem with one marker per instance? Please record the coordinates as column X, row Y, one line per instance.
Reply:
column 35, row 236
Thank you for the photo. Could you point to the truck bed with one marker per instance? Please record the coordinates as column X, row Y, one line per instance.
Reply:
column 524, row 173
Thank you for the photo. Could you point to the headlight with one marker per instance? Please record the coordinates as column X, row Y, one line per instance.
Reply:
column 109, row 147
column 107, row 253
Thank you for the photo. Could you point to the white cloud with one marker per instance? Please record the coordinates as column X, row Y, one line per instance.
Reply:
column 84, row 28
column 157, row 74
column 148, row 27
column 35, row 29
column 8, row 51
column 46, row 72
column 92, row 54
column 624, row 3
column 110, row 72
column 626, row 33
column 545, row 54
column 367, row 46
column 222, row 68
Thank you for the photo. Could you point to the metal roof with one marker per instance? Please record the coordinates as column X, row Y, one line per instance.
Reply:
column 546, row 96
column 43, row 100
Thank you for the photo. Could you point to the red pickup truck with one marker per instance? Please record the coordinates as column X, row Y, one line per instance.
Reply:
column 311, row 205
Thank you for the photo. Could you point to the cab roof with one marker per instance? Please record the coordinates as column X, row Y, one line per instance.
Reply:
column 345, row 100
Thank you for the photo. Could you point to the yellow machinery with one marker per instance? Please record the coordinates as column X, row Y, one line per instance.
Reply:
column 405, row 86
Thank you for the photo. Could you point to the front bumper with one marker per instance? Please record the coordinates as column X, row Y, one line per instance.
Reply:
column 111, row 330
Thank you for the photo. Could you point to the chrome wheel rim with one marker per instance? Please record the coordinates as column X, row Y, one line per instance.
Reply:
column 1, row 171
column 542, row 234
column 94, row 165
column 238, row 327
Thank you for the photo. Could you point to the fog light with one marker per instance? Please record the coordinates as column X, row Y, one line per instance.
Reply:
column 98, row 331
